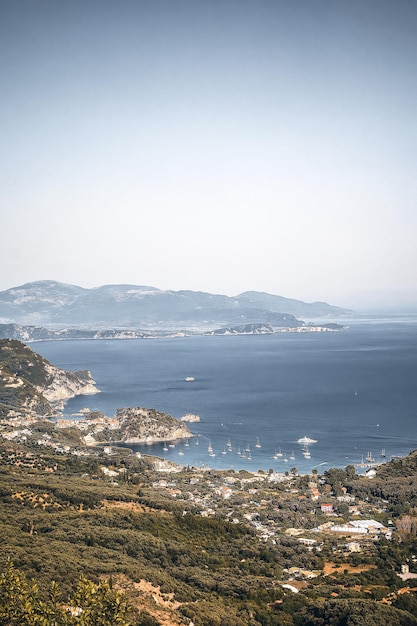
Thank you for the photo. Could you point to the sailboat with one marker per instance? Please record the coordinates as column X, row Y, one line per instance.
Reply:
column 278, row 454
column 292, row 457
column 383, row 453
column 210, row 450
column 257, row 444
column 306, row 453
column 165, row 448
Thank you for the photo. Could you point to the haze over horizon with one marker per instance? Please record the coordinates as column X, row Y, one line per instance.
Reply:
column 219, row 146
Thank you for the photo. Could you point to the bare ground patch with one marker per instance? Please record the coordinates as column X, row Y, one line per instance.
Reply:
column 339, row 568
column 146, row 596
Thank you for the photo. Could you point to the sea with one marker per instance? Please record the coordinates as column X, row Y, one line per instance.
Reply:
column 354, row 392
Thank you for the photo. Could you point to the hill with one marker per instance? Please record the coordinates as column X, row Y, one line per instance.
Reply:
column 29, row 384
column 280, row 304
column 54, row 303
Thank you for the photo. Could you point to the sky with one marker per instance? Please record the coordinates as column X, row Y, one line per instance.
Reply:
column 212, row 145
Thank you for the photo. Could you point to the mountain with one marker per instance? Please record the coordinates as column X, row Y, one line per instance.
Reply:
column 30, row 385
column 119, row 306
column 279, row 304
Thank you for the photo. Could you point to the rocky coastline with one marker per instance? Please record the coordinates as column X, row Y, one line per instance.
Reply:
column 29, row 384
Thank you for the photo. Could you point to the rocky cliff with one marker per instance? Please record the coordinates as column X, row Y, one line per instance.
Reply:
column 29, row 384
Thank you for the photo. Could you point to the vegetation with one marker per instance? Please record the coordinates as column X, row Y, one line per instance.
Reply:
column 24, row 377
column 89, row 604
column 79, row 540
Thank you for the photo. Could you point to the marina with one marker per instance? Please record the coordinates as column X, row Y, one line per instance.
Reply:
column 279, row 458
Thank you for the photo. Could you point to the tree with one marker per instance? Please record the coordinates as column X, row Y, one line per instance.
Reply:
column 350, row 472
column 90, row 605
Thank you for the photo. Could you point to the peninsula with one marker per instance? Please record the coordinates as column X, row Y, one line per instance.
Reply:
column 29, row 384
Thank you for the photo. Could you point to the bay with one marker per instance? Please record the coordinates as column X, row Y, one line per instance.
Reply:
column 354, row 391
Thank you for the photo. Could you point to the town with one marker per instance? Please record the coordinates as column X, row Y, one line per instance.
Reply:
column 329, row 520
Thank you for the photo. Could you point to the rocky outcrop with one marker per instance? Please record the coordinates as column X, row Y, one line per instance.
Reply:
column 64, row 385
column 29, row 384
column 190, row 417
column 139, row 425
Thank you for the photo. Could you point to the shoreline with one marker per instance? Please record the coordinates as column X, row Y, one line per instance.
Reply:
column 284, row 472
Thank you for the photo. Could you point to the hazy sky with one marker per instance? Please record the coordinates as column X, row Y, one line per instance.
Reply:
column 213, row 145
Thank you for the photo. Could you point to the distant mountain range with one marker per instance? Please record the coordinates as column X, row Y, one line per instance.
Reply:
column 52, row 303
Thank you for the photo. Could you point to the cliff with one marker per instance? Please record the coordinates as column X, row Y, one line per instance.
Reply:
column 29, row 384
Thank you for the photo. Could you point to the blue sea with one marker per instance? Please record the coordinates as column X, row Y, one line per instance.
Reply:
column 353, row 391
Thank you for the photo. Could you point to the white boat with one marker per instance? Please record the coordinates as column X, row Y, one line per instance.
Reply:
column 383, row 453
column 277, row 454
column 181, row 453
column 189, row 379
column 370, row 458
column 292, row 457
column 165, row 448
column 224, row 451
column 307, row 454
column 229, row 444
column 187, row 444
column 305, row 440
column 257, row 444
column 210, row 450
column 171, row 445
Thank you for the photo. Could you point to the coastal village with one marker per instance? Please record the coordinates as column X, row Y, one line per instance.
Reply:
column 315, row 510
